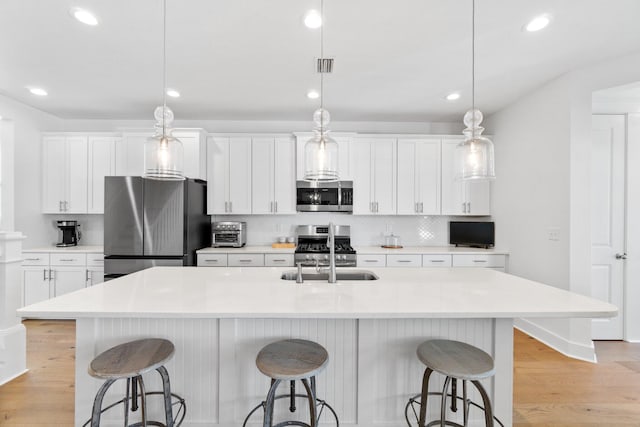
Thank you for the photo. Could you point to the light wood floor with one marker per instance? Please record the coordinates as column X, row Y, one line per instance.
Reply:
column 549, row 388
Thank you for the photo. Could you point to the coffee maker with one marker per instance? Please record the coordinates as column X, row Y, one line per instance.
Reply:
column 70, row 233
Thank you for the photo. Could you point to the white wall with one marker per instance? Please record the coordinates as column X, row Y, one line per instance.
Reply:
column 28, row 123
column 632, row 294
column 542, row 166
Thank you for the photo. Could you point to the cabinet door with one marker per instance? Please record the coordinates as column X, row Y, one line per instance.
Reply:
column 383, row 154
column 94, row 276
column 194, row 146
column 67, row 279
column 362, row 182
column 453, row 202
column 284, row 176
column 217, row 175
column 35, row 282
column 262, row 176
column 130, row 154
column 407, row 178
column 102, row 162
column 428, row 176
column 478, row 197
column 76, row 179
column 239, row 176
column 54, row 182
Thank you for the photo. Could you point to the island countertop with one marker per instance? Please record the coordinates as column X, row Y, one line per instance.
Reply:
column 256, row 292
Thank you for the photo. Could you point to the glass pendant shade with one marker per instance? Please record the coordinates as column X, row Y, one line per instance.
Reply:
column 321, row 151
column 163, row 154
column 476, row 151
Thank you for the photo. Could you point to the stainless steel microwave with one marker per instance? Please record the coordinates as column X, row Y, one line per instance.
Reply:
column 314, row 196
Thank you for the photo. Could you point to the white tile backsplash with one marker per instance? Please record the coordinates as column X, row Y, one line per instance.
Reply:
column 365, row 230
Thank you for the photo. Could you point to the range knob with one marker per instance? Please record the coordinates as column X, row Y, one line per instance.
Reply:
column 326, row 257
column 307, row 256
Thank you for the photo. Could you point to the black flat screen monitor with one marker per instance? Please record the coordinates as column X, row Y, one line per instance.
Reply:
column 474, row 234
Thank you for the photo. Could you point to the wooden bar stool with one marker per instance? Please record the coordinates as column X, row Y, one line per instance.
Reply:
column 457, row 361
column 129, row 361
column 292, row 360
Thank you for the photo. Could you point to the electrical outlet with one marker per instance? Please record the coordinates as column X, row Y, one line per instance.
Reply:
column 553, row 234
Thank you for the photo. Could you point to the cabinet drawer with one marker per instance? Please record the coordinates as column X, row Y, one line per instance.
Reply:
column 404, row 260
column 275, row 260
column 479, row 260
column 35, row 258
column 95, row 260
column 246, row 260
column 68, row 259
column 212, row 260
column 436, row 260
column 372, row 260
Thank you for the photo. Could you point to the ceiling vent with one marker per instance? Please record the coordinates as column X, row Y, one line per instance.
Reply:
column 325, row 65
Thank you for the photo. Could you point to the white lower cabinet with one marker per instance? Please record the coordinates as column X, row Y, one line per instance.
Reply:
column 246, row 260
column 404, row 260
column 278, row 260
column 436, row 260
column 371, row 260
column 50, row 274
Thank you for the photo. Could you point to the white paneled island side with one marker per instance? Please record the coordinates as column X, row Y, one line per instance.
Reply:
column 220, row 318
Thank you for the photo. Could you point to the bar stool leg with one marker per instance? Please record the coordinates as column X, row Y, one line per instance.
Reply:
column 143, row 401
column 127, row 396
column 488, row 411
column 166, row 391
column 443, row 403
column 465, row 402
column 97, row 403
column 268, row 406
column 312, row 403
column 424, row 396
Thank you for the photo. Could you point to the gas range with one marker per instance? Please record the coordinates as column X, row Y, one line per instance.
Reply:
column 312, row 246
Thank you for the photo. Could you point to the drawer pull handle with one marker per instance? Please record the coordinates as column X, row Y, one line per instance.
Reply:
column 67, row 259
column 479, row 260
column 210, row 260
column 404, row 260
column 245, row 260
column 370, row 260
column 437, row 260
column 279, row 260
column 32, row 259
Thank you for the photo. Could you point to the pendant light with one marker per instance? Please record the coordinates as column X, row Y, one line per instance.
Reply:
column 163, row 154
column 476, row 151
column 321, row 151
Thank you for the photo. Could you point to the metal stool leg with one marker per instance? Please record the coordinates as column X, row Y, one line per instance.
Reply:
column 488, row 411
column 166, row 391
column 143, row 401
column 268, row 407
column 126, row 403
column 97, row 403
column 465, row 403
column 312, row 403
column 424, row 396
column 443, row 402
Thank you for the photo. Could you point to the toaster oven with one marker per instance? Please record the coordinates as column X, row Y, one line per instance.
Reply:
column 229, row 234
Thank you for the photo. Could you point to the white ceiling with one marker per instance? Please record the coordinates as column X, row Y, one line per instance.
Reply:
column 254, row 59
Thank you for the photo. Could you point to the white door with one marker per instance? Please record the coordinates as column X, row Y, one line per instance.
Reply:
column 54, row 163
column 217, row 175
column 35, row 283
column 362, row 182
column 68, row 279
column 383, row 153
column 102, row 153
column 453, row 201
column 95, row 275
column 76, row 175
column 408, row 186
column 428, row 176
column 130, row 154
column 240, row 175
column 478, row 197
column 262, row 163
column 284, row 176
column 607, row 220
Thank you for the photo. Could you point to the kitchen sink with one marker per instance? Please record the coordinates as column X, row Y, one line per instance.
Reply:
column 340, row 275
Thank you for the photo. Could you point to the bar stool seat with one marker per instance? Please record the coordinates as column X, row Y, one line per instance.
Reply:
column 456, row 361
column 129, row 361
column 292, row 360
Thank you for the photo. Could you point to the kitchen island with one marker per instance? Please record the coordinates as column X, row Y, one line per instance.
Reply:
column 220, row 318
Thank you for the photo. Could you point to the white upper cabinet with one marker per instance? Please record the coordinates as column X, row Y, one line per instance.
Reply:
column 374, row 182
column 64, row 174
column 419, row 177
column 273, row 175
column 101, row 163
column 229, row 175
column 345, row 156
column 461, row 197
column 130, row 153
column 195, row 152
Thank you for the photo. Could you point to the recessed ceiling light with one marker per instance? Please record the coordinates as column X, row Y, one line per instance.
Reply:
column 173, row 93
column 84, row 16
column 38, row 91
column 313, row 94
column 452, row 96
column 538, row 23
column 313, row 19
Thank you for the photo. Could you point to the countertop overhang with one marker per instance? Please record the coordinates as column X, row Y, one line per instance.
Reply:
column 258, row 292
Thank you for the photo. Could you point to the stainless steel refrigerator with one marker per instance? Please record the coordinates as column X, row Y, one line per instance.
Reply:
column 153, row 223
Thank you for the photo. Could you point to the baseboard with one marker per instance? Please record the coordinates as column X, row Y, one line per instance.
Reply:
column 3, row 381
column 557, row 342
column 13, row 352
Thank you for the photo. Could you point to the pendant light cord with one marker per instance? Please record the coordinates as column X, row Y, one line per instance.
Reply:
column 164, row 66
column 473, row 55
column 322, row 66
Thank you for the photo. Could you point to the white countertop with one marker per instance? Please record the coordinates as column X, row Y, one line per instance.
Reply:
column 74, row 249
column 420, row 250
column 247, row 250
column 258, row 292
